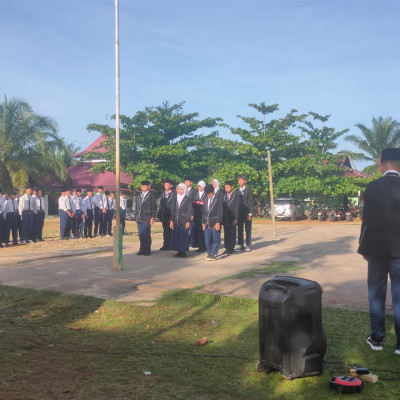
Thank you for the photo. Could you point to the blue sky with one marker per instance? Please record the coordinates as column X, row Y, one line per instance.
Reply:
column 336, row 57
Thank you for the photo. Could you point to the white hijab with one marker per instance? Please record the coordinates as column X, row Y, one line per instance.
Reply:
column 180, row 197
column 216, row 181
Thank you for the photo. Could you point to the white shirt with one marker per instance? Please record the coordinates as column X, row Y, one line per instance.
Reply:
column 100, row 200
column 25, row 203
column 9, row 207
column 122, row 203
column 38, row 203
column 64, row 203
column 111, row 203
column 88, row 203
column 77, row 202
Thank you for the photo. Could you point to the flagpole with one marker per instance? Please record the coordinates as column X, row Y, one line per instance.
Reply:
column 117, row 227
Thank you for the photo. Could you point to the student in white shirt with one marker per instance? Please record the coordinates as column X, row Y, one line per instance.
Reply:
column 88, row 210
column 25, row 208
column 11, row 219
column 38, row 216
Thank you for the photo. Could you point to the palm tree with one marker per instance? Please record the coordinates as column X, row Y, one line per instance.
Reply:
column 29, row 146
column 385, row 133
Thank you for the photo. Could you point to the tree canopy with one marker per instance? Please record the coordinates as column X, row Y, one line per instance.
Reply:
column 384, row 133
column 30, row 147
column 164, row 142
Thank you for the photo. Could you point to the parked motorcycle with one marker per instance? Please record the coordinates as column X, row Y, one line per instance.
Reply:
column 331, row 213
column 321, row 214
column 313, row 213
column 340, row 214
column 349, row 215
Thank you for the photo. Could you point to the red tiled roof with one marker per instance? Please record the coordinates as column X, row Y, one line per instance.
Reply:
column 81, row 177
column 93, row 147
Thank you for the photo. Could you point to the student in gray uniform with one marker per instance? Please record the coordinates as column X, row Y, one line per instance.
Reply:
column 88, row 210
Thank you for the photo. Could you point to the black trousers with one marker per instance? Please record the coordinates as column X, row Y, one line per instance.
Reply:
column 229, row 238
column 144, row 229
column 12, row 227
column 244, row 222
column 38, row 223
column 88, row 232
column 108, row 222
column 99, row 218
column 167, row 231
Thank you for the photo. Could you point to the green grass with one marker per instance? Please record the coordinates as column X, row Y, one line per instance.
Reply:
column 274, row 268
column 61, row 346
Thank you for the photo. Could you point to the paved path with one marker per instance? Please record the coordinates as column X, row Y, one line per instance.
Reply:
column 326, row 250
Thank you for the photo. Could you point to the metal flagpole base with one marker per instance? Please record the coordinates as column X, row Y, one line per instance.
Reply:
column 118, row 233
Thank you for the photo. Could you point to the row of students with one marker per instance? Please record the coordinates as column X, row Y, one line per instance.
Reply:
column 194, row 217
column 78, row 215
column 21, row 218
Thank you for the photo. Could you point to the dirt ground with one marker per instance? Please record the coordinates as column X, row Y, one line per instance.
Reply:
column 326, row 251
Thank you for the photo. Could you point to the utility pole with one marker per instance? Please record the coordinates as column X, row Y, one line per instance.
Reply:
column 117, row 229
column 271, row 192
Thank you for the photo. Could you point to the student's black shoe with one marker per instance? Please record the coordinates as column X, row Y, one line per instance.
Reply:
column 229, row 253
column 224, row 253
column 147, row 254
column 180, row 254
column 201, row 250
column 164, row 248
column 140, row 253
column 374, row 343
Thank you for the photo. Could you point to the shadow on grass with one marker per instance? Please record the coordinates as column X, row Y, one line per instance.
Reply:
column 87, row 348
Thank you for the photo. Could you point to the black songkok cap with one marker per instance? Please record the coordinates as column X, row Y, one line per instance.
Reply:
column 188, row 178
column 147, row 183
column 209, row 189
column 100, row 187
column 392, row 154
column 28, row 187
column 230, row 183
column 167, row 181
column 78, row 190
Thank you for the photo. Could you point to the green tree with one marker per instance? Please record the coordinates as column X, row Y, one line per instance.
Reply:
column 158, row 143
column 320, row 140
column 384, row 133
column 29, row 146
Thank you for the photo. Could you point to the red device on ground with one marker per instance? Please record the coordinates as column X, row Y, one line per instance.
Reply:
column 346, row 384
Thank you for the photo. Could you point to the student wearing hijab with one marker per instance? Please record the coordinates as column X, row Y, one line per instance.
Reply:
column 217, row 189
column 197, row 205
column 181, row 215
column 212, row 218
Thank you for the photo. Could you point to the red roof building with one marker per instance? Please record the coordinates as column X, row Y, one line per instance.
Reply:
column 81, row 176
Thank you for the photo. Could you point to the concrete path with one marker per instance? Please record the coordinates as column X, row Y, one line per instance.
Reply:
column 326, row 250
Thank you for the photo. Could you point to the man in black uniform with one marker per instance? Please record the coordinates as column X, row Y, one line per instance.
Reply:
column 164, row 212
column 245, row 213
column 230, row 217
column 380, row 245
column 146, row 209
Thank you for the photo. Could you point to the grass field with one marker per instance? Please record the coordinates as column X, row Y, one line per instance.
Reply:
column 61, row 346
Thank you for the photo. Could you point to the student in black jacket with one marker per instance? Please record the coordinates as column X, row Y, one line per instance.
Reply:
column 191, row 193
column 164, row 212
column 230, row 217
column 146, row 209
column 245, row 213
column 380, row 246
column 181, row 215
column 212, row 219
column 197, row 205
